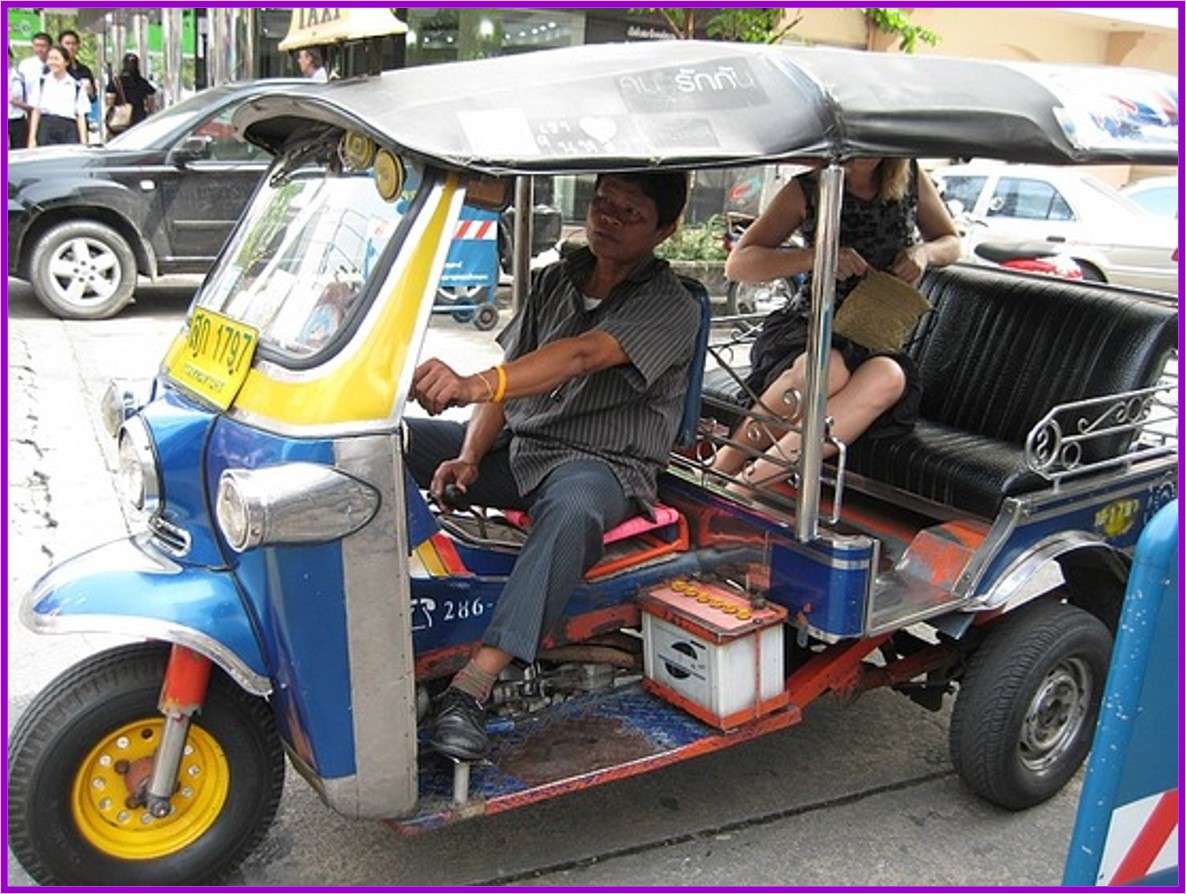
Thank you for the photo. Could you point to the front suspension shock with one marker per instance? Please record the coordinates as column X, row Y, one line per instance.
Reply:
column 182, row 696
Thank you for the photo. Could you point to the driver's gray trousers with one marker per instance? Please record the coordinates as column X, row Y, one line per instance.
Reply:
column 570, row 512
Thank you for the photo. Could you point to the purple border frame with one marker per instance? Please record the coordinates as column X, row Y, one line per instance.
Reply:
column 920, row 4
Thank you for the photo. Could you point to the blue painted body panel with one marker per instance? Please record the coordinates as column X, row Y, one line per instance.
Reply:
column 1135, row 753
column 180, row 428
column 202, row 599
column 296, row 593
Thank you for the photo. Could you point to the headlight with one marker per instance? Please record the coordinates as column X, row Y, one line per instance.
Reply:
column 138, row 478
column 122, row 400
column 291, row 503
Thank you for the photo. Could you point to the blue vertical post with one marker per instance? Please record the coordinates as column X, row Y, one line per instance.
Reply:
column 1126, row 831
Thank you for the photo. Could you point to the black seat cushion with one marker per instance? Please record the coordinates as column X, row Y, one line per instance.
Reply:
column 947, row 465
column 999, row 350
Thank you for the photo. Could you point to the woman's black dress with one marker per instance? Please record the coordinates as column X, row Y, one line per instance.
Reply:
column 877, row 231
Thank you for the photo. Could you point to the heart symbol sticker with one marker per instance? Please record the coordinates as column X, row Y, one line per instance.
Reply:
column 601, row 129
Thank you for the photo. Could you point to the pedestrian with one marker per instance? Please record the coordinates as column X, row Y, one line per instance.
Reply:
column 70, row 42
column 59, row 105
column 34, row 67
column 18, row 124
column 129, row 87
column 311, row 65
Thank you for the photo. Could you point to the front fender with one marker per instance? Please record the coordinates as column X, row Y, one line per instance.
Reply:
column 130, row 587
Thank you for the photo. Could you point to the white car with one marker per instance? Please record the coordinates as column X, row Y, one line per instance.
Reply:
column 1112, row 238
column 1157, row 195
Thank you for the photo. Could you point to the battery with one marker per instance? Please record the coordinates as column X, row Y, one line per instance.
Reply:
column 708, row 650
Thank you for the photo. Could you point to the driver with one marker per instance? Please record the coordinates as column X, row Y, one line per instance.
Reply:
column 573, row 426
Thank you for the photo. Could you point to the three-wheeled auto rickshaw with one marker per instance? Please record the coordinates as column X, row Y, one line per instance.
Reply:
column 300, row 597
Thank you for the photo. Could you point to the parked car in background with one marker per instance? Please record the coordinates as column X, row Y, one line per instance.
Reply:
column 161, row 198
column 1110, row 237
column 1157, row 195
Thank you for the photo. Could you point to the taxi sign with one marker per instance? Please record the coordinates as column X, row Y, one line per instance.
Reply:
column 318, row 27
column 214, row 358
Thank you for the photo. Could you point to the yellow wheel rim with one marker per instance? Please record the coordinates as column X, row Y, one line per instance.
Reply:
column 99, row 795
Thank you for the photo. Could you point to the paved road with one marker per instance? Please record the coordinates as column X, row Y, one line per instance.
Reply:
column 862, row 794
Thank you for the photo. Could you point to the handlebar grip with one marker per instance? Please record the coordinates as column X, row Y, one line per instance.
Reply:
column 455, row 498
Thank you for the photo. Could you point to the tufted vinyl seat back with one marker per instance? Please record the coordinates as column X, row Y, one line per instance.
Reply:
column 1000, row 350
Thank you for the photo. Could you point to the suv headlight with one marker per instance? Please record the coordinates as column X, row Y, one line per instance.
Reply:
column 138, row 477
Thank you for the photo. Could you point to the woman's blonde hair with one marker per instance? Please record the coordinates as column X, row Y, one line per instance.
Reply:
column 893, row 179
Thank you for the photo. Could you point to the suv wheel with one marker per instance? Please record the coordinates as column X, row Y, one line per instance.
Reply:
column 83, row 270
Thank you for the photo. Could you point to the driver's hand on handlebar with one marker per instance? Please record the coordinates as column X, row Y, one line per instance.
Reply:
column 457, row 472
column 849, row 263
column 436, row 387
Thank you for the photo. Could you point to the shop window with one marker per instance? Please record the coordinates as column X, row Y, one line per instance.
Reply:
column 448, row 35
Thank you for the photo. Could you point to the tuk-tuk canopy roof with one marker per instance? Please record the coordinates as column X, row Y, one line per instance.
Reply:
column 699, row 103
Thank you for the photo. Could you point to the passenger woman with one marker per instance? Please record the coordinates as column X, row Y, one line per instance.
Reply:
column 59, row 103
column 892, row 220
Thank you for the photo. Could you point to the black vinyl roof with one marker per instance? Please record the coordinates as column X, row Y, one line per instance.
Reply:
column 700, row 103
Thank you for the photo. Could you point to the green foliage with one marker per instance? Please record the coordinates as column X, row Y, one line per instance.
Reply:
column 697, row 242
column 742, row 25
column 896, row 21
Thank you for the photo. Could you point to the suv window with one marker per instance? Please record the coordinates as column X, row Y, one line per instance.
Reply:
column 1029, row 200
column 965, row 190
column 224, row 145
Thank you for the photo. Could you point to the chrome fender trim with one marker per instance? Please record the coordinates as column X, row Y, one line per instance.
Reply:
column 138, row 555
column 1014, row 578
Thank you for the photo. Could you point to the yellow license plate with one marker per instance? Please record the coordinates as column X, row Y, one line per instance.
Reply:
column 216, row 356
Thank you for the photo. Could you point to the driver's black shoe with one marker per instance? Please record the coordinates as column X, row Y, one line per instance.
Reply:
column 460, row 728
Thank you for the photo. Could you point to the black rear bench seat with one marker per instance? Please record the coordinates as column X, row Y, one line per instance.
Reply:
column 996, row 354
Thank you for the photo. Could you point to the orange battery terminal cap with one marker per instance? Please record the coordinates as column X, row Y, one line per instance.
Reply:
column 730, row 609
column 704, row 599
column 716, row 603
column 679, row 586
column 691, row 592
column 744, row 614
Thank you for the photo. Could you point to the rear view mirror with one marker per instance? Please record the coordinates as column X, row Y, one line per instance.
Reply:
column 192, row 148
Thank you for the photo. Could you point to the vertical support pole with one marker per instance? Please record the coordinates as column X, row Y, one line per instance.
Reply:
column 247, row 60
column 140, row 39
column 819, row 344
column 171, row 48
column 101, row 80
column 521, row 256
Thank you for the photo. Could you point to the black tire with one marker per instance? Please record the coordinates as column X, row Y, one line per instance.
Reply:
column 1005, row 746
column 1091, row 273
column 69, row 256
column 463, row 316
column 90, row 701
column 735, row 302
column 486, row 317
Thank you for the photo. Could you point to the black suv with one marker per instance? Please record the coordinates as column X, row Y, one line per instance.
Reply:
column 160, row 198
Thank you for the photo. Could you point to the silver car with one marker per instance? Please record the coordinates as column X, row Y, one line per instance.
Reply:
column 1112, row 238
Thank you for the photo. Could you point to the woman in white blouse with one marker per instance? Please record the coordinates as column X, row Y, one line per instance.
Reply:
column 60, row 105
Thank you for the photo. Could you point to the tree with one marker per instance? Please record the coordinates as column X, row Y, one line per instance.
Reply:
column 897, row 22
column 746, row 25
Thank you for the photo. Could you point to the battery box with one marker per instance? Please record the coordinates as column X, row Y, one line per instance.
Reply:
column 707, row 649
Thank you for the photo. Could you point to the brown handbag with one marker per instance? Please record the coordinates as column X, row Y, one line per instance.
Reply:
column 119, row 116
column 880, row 313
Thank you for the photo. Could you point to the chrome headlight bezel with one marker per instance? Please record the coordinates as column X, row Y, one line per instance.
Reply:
column 122, row 400
column 139, row 474
column 291, row 503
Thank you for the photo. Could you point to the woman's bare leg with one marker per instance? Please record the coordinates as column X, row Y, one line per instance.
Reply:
column 875, row 386
column 760, row 435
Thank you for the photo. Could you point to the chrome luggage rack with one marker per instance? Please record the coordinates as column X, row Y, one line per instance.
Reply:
column 1054, row 446
column 763, row 423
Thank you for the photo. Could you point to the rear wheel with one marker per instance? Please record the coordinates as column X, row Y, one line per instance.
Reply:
column 1025, row 714
column 95, row 728
column 83, row 270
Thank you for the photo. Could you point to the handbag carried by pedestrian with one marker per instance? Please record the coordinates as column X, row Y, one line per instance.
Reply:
column 119, row 116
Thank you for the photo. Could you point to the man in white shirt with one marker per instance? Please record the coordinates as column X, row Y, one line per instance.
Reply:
column 310, row 64
column 18, row 125
column 34, row 67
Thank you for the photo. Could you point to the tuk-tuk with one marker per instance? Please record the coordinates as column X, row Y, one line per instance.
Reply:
column 301, row 598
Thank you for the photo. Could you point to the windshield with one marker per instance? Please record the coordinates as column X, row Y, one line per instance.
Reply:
column 298, row 263
column 149, row 131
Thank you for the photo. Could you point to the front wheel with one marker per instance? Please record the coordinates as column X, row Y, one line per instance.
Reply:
column 1027, row 706
column 71, row 818
column 83, row 270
